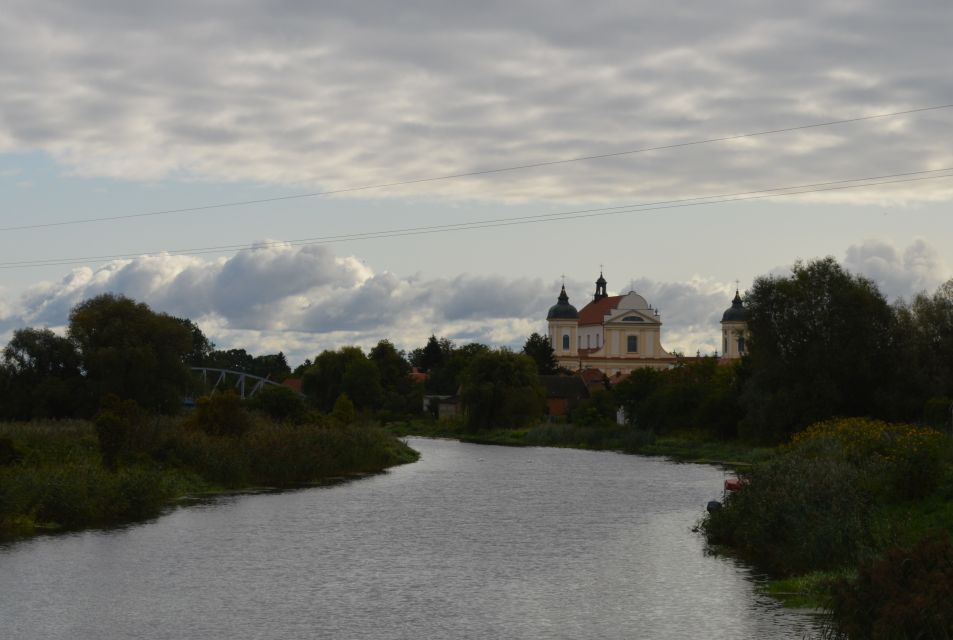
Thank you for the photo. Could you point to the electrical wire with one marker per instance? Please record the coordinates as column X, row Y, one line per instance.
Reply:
column 774, row 192
column 468, row 174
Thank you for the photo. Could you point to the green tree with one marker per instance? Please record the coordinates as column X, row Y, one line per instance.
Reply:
column 820, row 346
column 446, row 378
column 501, row 389
column 343, row 411
column 41, row 376
column 132, row 352
column 323, row 382
column 362, row 383
column 273, row 366
column 433, row 354
column 401, row 396
column 541, row 351
column 202, row 347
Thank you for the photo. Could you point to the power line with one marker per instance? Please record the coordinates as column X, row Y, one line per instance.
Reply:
column 774, row 192
column 469, row 174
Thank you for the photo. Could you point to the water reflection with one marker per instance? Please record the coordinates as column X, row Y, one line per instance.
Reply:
column 470, row 542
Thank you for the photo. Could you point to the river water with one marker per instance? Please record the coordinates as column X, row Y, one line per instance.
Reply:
column 470, row 542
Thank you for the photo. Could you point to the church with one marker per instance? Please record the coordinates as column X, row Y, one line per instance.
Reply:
column 617, row 334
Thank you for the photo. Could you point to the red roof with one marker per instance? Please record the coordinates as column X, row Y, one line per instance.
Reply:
column 294, row 383
column 595, row 311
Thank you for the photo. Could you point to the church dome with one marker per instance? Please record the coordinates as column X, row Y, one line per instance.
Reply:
column 562, row 310
column 736, row 313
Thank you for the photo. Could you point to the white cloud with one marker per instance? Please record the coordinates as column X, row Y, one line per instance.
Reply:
column 336, row 94
column 301, row 300
column 898, row 273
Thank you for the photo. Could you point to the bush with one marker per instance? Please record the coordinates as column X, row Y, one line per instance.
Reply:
column 221, row 414
column 908, row 593
column 343, row 411
column 279, row 403
column 798, row 514
column 8, row 452
column 908, row 458
column 936, row 413
column 120, row 426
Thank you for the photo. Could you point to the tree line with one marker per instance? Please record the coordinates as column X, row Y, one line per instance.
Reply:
column 822, row 342
column 115, row 346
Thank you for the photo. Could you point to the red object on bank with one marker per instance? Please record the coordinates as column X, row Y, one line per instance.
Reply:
column 734, row 484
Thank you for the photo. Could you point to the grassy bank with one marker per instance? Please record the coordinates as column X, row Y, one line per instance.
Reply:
column 854, row 516
column 684, row 446
column 52, row 475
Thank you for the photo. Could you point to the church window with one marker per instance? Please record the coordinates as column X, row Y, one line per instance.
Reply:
column 725, row 344
column 741, row 344
column 633, row 319
column 566, row 342
column 588, row 342
column 632, row 344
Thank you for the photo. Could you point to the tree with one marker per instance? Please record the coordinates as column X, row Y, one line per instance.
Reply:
column 323, row 382
column 202, row 347
column 361, row 382
column 446, row 378
column 541, row 351
column 501, row 389
column 433, row 354
column 41, row 376
column 273, row 366
column 401, row 395
column 132, row 352
column 820, row 346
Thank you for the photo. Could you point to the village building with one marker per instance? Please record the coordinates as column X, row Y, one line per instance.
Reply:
column 617, row 334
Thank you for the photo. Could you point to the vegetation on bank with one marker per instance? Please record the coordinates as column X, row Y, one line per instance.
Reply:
column 683, row 446
column 128, row 465
column 837, row 512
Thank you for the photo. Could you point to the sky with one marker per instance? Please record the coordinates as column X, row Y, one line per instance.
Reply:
column 181, row 153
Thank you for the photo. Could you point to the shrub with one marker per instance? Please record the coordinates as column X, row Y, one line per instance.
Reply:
column 279, row 403
column 8, row 452
column 343, row 411
column 908, row 593
column 908, row 458
column 798, row 514
column 119, row 427
column 221, row 414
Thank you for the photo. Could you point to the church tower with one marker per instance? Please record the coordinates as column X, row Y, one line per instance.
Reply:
column 563, row 320
column 600, row 289
column 734, row 329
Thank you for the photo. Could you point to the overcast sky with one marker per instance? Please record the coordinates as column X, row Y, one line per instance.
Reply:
column 110, row 109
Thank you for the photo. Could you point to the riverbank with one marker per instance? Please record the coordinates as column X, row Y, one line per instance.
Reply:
column 52, row 475
column 682, row 446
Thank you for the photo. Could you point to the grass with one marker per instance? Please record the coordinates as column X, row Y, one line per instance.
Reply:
column 808, row 591
column 56, row 479
column 684, row 446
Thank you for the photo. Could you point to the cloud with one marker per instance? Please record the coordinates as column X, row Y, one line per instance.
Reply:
column 898, row 273
column 302, row 300
column 337, row 94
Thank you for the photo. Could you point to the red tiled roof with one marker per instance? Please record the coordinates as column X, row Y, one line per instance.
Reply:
column 294, row 383
column 595, row 311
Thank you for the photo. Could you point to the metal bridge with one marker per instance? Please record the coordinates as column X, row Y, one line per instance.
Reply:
column 246, row 384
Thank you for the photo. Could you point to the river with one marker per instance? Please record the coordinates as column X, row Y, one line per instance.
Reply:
column 470, row 542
